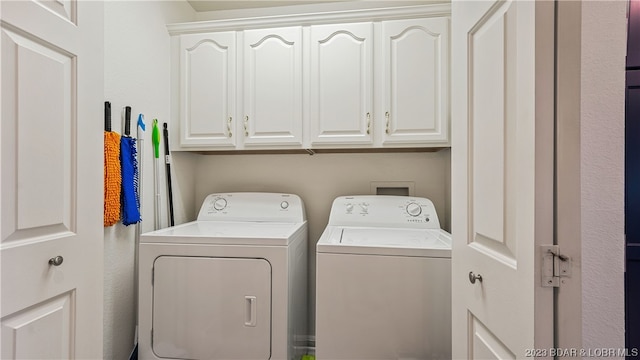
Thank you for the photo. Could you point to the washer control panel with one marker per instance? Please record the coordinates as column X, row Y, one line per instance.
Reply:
column 272, row 207
column 384, row 211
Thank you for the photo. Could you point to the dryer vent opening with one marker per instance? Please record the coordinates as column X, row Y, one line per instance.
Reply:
column 401, row 191
column 398, row 188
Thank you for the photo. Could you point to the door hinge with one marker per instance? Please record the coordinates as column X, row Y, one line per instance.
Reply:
column 555, row 266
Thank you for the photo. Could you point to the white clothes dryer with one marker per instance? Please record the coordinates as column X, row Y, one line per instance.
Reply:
column 230, row 285
column 383, row 281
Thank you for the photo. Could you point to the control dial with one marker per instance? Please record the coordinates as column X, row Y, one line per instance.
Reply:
column 414, row 209
column 220, row 204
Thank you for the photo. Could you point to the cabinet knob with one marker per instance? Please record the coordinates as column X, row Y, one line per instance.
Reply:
column 56, row 261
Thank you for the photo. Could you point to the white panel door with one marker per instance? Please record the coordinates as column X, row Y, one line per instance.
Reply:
column 341, row 84
column 208, row 85
column 211, row 308
column 52, row 179
column 273, row 87
column 416, row 78
column 502, row 177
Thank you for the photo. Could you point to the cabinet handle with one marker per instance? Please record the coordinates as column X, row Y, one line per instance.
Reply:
column 246, row 125
column 388, row 130
column 229, row 126
column 368, row 123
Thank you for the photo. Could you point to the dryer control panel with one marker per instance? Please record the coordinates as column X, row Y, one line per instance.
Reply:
column 264, row 207
column 384, row 211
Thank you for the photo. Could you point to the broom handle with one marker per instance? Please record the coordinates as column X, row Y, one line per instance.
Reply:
column 167, row 161
column 140, row 141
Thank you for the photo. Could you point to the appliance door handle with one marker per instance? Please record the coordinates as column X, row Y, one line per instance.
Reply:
column 250, row 311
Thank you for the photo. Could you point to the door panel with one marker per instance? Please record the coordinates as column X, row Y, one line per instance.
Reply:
column 491, row 125
column 416, row 68
column 42, row 71
column 51, row 146
column 502, row 177
column 484, row 344
column 341, row 84
column 43, row 331
column 208, row 73
column 211, row 308
column 273, row 86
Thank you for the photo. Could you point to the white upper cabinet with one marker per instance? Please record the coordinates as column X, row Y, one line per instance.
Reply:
column 415, row 82
column 208, row 89
column 273, row 87
column 341, row 84
column 376, row 78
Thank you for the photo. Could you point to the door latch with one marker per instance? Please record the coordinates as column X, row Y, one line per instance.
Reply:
column 555, row 266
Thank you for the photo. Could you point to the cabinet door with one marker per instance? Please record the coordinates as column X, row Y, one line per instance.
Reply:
column 273, row 86
column 341, row 84
column 208, row 84
column 415, row 81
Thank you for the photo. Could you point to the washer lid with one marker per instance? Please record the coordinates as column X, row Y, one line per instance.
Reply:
column 227, row 233
column 386, row 241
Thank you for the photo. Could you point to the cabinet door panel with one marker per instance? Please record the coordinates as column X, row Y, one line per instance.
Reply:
column 273, row 86
column 415, row 81
column 208, row 76
column 341, row 84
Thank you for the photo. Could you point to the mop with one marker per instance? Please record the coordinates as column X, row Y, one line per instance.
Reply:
column 112, row 179
column 129, row 165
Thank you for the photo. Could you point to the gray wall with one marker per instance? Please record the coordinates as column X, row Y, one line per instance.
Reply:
column 602, row 172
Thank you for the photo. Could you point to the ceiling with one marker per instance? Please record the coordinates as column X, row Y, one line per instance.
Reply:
column 215, row 5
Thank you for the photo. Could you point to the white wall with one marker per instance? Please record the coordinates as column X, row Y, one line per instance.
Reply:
column 602, row 172
column 137, row 73
column 320, row 178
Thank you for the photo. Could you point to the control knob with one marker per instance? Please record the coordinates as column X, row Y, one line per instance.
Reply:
column 414, row 209
column 219, row 204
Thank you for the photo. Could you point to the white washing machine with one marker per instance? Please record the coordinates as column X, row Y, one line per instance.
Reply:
column 230, row 285
column 383, row 281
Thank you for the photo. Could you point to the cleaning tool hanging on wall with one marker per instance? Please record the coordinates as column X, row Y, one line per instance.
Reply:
column 129, row 167
column 112, row 179
column 140, row 142
column 167, row 161
column 155, row 139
